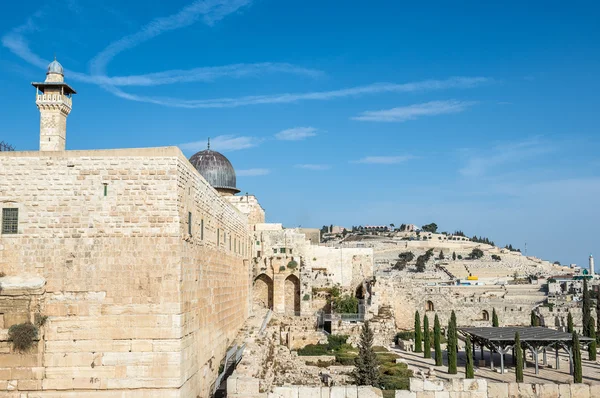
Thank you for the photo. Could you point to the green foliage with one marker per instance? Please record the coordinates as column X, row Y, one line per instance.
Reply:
column 592, row 346
column 577, row 372
column 40, row 320
column 282, row 268
column 345, row 304
column 519, row 357
column 313, row 350
column 403, row 259
column 587, row 309
column 418, row 335
column 292, row 264
column 423, row 259
column 306, row 297
column 426, row 338
column 481, row 239
column 437, row 334
column 452, row 345
column 405, row 335
column 454, row 256
column 551, row 280
column 335, row 291
column 496, row 257
column 535, row 320
column 460, row 257
column 335, row 342
column 476, row 254
column 469, row 371
column 441, row 256
column 393, row 376
column 366, row 371
column 430, row 228
column 23, row 336
column 570, row 328
column 495, row 322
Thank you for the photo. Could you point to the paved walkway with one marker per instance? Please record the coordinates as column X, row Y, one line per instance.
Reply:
column 591, row 370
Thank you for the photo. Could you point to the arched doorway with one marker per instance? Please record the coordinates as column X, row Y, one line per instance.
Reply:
column 263, row 291
column 292, row 295
column 429, row 306
column 485, row 315
column 360, row 292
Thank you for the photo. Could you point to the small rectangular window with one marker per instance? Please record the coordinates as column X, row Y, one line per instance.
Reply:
column 274, row 251
column 229, row 242
column 202, row 229
column 218, row 236
column 282, row 250
column 10, row 221
column 190, row 223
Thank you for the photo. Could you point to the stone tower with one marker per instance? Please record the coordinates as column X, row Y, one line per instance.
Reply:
column 54, row 100
column 592, row 265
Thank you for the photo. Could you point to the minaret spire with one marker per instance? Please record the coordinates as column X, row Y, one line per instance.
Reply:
column 208, row 143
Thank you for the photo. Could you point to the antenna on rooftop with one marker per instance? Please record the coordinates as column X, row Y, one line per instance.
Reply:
column 5, row 147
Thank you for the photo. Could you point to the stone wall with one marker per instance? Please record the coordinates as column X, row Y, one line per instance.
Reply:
column 138, row 299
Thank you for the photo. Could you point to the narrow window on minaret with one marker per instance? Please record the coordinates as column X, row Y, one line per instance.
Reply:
column 189, row 223
column 105, row 189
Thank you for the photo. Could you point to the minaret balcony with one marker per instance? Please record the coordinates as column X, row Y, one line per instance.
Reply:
column 54, row 98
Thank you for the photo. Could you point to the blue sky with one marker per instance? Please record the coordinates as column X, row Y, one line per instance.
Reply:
column 477, row 116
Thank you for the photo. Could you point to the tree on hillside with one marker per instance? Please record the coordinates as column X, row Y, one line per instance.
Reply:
column 454, row 256
column 519, row 357
column 476, row 254
column 437, row 341
column 495, row 322
column 469, row 371
column 577, row 372
column 587, row 309
column 452, row 345
column 366, row 371
column 441, row 257
column 535, row 321
column 570, row 323
column 426, row 338
column 593, row 344
column 430, row 228
column 418, row 336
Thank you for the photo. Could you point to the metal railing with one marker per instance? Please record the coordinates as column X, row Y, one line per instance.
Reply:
column 265, row 322
column 232, row 358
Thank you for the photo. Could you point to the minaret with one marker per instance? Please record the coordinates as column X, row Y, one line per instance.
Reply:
column 53, row 99
column 592, row 273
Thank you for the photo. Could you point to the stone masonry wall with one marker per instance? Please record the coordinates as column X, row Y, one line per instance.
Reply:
column 134, row 303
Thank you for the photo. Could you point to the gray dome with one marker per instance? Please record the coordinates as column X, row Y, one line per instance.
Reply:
column 216, row 169
column 55, row 67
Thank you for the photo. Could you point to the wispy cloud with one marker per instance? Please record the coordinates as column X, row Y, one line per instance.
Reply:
column 296, row 134
column 224, row 143
column 478, row 164
column 404, row 113
column 315, row 167
column 252, row 172
column 384, row 159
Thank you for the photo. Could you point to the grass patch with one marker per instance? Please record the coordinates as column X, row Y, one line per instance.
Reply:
column 394, row 376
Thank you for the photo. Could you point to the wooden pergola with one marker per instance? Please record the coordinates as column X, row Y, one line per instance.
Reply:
column 536, row 339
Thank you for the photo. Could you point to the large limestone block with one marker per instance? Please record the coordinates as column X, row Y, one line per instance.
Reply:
column 405, row 394
column 595, row 390
column 429, row 385
column 416, row 384
column 232, row 385
column 564, row 390
column 351, row 392
column 309, row 392
column 513, row 390
column 369, row 392
column 548, row 390
column 479, row 385
column 442, row 394
column 325, row 392
column 580, row 391
column 526, row 391
column 285, row 392
column 338, row 392
column 497, row 390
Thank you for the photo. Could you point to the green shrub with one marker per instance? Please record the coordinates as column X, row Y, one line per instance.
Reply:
column 313, row 350
column 306, row 297
column 282, row 268
column 292, row 264
column 23, row 335
column 335, row 342
column 345, row 305
column 345, row 358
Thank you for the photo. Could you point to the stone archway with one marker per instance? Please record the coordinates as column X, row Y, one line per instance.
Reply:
column 360, row 292
column 485, row 315
column 429, row 306
column 292, row 295
column 263, row 291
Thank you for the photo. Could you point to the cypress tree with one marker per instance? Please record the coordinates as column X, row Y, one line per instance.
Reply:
column 577, row 373
column 570, row 323
column 426, row 338
column 494, row 318
column 437, row 340
column 452, row 345
column 418, row 336
column 535, row 321
column 519, row 357
column 366, row 371
column 587, row 309
column 454, row 256
column 593, row 343
column 469, row 372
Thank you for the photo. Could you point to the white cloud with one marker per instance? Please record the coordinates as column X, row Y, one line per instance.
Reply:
column 252, row 172
column 404, row 113
column 480, row 163
column 223, row 143
column 384, row 159
column 315, row 167
column 296, row 134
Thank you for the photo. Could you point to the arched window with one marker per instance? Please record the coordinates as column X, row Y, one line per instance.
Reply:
column 429, row 306
column 263, row 291
column 485, row 315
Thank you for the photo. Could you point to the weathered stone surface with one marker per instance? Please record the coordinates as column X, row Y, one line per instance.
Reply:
column 338, row 392
column 309, row 392
column 548, row 390
column 429, row 385
column 564, row 390
column 497, row 390
column 416, row 384
column 369, row 392
column 405, row 394
column 475, row 385
column 580, row 391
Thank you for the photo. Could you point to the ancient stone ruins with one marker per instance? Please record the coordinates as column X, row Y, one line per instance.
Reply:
column 141, row 273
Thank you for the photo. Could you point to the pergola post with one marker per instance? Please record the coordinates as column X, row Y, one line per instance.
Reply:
column 570, row 360
column 474, row 351
column 545, row 358
column 535, row 358
column 491, row 359
column 557, row 360
column 501, row 363
column 481, row 347
column 514, row 360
